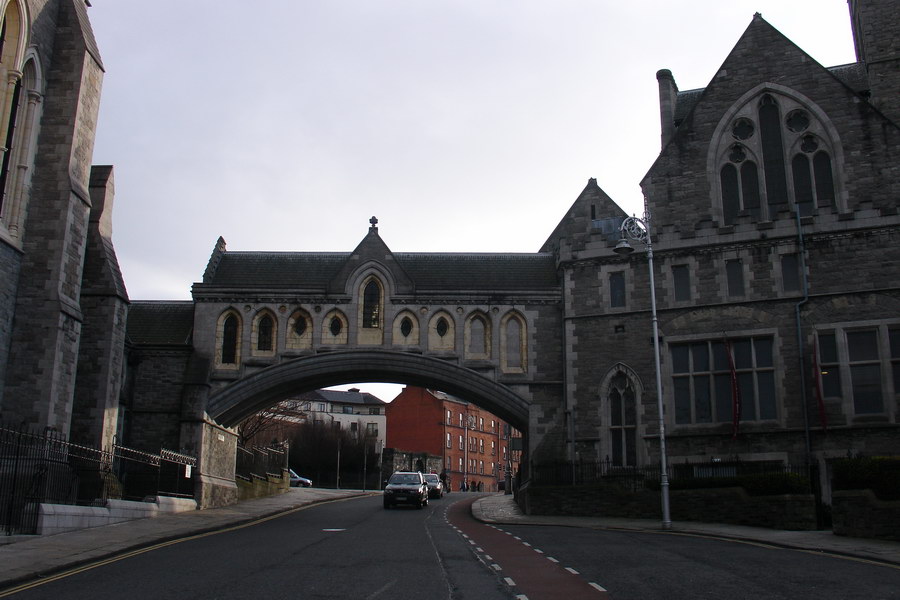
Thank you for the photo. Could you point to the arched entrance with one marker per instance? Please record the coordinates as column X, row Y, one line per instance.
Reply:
column 230, row 405
column 262, row 389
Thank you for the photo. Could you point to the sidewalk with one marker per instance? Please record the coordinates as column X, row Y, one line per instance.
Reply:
column 502, row 509
column 28, row 558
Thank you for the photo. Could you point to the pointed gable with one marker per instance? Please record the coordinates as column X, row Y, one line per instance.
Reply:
column 592, row 215
column 371, row 250
column 683, row 185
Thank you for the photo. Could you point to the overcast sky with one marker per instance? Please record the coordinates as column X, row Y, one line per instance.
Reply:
column 463, row 125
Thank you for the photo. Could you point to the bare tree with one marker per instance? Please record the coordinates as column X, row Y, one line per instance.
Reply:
column 275, row 422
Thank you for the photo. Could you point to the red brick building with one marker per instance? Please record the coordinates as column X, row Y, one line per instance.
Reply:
column 472, row 443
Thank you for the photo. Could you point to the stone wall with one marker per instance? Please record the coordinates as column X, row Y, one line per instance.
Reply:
column 724, row 505
column 860, row 513
column 262, row 487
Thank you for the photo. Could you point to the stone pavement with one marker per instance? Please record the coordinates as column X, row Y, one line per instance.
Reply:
column 25, row 558
column 500, row 509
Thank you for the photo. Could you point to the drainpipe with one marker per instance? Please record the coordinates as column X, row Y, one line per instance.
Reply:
column 570, row 409
column 799, row 325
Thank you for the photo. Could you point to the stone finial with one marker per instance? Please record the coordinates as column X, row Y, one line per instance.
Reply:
column 373, row 222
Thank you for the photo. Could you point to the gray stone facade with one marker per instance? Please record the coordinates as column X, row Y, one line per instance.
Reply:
column 63, row 306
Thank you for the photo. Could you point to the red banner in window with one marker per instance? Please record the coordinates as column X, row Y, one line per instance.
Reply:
column 735, row 393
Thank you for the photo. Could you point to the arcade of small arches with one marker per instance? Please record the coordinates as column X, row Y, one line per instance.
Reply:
column 268, row 334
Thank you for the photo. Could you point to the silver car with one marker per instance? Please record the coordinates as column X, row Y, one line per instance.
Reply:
column 435, row 485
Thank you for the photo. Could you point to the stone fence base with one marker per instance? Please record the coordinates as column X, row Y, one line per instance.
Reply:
column 858, row 513
column 262, row 487
column 720, row 505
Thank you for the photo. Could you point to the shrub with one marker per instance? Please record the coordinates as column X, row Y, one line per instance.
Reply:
column 879, row 474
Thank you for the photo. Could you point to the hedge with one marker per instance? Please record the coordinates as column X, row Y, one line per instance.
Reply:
column 879, row 474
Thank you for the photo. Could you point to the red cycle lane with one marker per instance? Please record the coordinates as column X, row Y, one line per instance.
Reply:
column 533, row 574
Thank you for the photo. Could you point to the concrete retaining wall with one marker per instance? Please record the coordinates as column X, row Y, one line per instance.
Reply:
column 59, row 518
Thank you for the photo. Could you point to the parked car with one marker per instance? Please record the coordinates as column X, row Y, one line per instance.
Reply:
column 435, row 485
column 297, row 481
column 406, row 487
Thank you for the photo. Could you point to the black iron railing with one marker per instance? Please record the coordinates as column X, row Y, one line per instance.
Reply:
column 44, row 467
column 262, row 462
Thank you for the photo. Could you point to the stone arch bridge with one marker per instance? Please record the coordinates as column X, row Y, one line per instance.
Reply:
column 263, row 326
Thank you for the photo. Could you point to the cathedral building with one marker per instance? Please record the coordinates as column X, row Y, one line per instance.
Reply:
column 63, row 304
column 773, row 215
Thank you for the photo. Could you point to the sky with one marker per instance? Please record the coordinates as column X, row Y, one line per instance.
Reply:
column 462, row 125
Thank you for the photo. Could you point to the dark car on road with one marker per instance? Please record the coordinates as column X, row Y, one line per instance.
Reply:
column 435, row 486
column 406, row 487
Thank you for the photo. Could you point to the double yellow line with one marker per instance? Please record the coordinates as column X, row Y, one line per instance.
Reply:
column 124, row 555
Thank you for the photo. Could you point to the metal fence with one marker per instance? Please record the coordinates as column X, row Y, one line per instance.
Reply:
column 262, row 462
column 38, row 468
column 640, row 477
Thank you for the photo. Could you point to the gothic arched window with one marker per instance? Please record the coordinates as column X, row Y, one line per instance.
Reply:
column 774, row 155
column 513, row 343
column 229, row 339
column 372, row 305
column 622, row 421
column 265, row 334
column 478, row 337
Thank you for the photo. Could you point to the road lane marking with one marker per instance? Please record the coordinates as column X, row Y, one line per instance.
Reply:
column 599, row 588
column 571, row 570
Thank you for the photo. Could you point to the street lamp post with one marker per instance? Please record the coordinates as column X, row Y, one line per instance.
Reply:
column 639, row 231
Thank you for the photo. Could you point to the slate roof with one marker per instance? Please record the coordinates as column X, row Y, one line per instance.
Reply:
column 343, row 397
column 429, row 271
column 853, row 75
column 160, row 323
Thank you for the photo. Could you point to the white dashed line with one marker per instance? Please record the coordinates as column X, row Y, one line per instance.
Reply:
column 509, row 581
column 527, row 544
column 571, row 570
column 538, row 551
column 597, row 587
column 551, row 559
column 496, row 567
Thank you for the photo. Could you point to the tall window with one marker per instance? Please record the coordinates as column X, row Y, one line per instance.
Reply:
column 478, row 337
column 622, row 422
column 229, row 347
column 734, row 273
column 702, row 380
column 265, row 334
column 617, row 289
column 853, row 362
column 793, row 149
column 513, row 343
column 681, row 279
column 372, row 305
column 790, row 272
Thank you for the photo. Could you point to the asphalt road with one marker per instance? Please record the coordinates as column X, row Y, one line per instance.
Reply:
column 348, row 549
column 355, row 549
column 648, row 565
